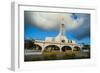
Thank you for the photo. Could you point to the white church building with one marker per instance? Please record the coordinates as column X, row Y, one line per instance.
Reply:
column 59, row 43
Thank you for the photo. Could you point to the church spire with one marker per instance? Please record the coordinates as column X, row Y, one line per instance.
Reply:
column 61, row 36
column 62, row 28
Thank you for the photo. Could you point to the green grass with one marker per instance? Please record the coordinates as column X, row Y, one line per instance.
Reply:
column 56, row 56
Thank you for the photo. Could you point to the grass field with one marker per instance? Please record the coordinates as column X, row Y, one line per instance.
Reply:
column 57, row 56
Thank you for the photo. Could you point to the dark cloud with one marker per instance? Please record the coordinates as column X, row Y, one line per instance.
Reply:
column 79, row 33
column 84, row 30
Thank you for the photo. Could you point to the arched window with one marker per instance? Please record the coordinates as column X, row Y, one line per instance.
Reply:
column 65, row 48
column 37, row 47
column 51, row 48
column 76, row 48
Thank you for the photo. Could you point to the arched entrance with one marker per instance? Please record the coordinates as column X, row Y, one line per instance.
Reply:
column 37, row 47
column 66, row 48
column 52, row 48
column 76, row 48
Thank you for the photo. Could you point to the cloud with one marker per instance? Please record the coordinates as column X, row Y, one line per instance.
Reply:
column 77, row 23
column 46, row 20
column 83, row 30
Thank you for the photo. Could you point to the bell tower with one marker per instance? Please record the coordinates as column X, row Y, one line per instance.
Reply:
column 61, row 38
column 62, row 30
column 62, row 33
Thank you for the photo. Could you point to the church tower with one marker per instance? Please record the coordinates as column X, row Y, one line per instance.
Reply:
column 61, row 36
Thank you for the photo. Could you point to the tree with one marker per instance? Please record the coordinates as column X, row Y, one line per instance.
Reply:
column 28, row 44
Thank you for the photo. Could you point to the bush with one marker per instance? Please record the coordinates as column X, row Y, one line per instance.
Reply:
column 57, row 55
column 68, row 55
column 49, row 56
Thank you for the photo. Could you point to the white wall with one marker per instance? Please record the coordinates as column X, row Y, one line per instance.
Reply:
column 5, row 34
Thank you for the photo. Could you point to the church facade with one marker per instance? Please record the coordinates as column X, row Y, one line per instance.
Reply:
column 59, row 43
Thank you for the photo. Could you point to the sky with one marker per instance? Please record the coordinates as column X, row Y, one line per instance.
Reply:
column 39, row 25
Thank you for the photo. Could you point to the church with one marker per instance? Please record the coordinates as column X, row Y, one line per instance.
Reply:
column 60, row 43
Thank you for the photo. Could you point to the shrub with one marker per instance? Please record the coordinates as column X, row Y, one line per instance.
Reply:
column 49, row 55
column 68, row 55
column 57, row 55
